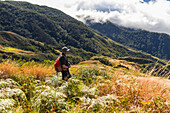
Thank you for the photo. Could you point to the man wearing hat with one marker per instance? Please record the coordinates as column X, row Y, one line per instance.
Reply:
column 65, row 64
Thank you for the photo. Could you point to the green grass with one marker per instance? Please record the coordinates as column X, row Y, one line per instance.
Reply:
column 90, row 89
column 10, row 49
column 14, row 50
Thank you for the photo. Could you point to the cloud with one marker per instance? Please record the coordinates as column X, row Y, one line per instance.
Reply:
column 151, row 15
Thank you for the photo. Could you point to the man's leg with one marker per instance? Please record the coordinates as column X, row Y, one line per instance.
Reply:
column 64, row 75
column 68, row 74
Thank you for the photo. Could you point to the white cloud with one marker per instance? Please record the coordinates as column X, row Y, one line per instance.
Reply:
column 152, row 16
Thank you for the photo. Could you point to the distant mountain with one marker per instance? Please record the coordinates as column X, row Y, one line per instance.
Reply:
column 156, row 44
column 55, row 29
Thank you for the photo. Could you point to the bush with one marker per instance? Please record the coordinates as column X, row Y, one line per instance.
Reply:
column 89, row 75
column 16, row 94
column 7, row 105
column 11, row 95
column 47, row 98
column 8, row 83
column 75, row 88
column 54, row 81
column 100, row 104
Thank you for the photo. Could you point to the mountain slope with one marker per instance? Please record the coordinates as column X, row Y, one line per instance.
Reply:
column 57, row 29
column 156, row 44
column 15, row 46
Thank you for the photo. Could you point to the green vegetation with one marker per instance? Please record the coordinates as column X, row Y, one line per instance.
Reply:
column 17, row 47
column 10, row 49
column 104, row 61
column 156, row 44
column 34, row 87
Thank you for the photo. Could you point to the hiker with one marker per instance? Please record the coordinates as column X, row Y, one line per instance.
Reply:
column 65, row 65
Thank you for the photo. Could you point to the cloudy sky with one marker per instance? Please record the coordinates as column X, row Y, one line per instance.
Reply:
column 151, row 15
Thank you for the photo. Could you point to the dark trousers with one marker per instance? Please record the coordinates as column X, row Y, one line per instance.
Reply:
column 66, row 74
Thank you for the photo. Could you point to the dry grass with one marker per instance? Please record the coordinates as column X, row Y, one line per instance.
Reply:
column 151, row 87
column 136, row 85
column 38, row 71
column 145, row 87
column 89, row 64
column 9, row 67
column 150, row 94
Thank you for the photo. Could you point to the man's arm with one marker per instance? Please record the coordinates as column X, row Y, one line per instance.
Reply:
column 65, row 67
column 63, row 62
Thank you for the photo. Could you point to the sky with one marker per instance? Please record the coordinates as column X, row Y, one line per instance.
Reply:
column 151, row 15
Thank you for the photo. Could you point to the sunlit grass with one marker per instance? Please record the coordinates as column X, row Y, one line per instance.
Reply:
column 10, row 49
column 37, row 70
column 15, row 50
column 132, row 90
column 9, row 67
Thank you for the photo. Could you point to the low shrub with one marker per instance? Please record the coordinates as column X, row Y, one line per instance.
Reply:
column 89, row 75
column 48, row 99
column 54, row 81
column 75, row 88
column 7, row 105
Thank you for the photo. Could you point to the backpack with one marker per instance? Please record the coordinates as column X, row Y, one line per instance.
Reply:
column 57, row 65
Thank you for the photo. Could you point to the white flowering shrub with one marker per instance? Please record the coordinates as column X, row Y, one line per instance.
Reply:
column 7, row 105
column 92, row 92
column 54, row 81
column 100, row 103
column 75, row 88
column 109, row 100
column 9, row 89
column 90, row 75
column 16, row 94
column 8, row 83
column 96, row 105
column 46, row 98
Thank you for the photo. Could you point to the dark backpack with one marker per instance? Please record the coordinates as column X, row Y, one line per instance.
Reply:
column 57, row 65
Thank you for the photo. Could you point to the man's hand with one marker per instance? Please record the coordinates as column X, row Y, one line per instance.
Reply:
column 69, row 66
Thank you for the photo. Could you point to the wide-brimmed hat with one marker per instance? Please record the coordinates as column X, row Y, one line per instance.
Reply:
column 65, row 49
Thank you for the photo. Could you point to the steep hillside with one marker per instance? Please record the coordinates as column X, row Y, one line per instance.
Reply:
column 57, row 29
column 15, row 46
column 156, row 44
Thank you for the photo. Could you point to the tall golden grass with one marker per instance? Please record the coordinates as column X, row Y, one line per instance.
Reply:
column 145, row 87
column 151, row 87
column 9, row 67
column 37, row 70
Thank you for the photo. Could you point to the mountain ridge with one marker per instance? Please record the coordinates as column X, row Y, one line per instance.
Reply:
column 156, row 44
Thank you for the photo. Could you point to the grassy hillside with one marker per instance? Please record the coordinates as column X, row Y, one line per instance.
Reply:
column 15, row 46
column 53, row 27
column 156, row 44
column 94, row 87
